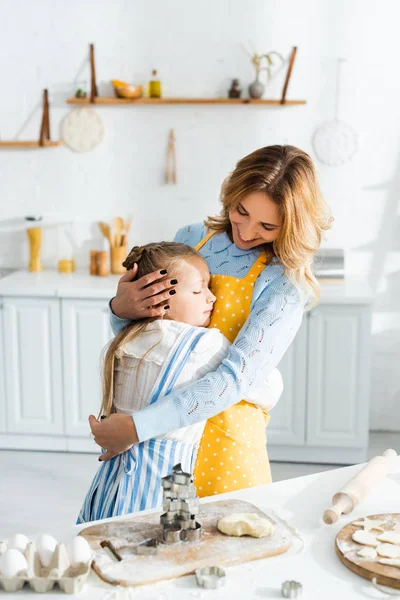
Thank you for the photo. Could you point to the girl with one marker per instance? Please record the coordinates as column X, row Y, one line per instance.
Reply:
column 260, row 251
column 146, row 361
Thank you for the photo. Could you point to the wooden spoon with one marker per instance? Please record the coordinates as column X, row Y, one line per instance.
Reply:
column 118, row 226
column 105, row 230
column 127, row 226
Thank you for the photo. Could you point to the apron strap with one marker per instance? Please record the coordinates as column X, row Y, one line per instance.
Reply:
column 175, row 362
column 205, row 240
column 257, row 267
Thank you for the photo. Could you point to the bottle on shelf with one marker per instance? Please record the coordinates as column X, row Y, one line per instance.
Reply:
column 154, row 86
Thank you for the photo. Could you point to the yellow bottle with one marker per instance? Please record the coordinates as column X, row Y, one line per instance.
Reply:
column 154, row 86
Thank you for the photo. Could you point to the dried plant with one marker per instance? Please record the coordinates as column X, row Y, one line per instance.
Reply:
column 257, row 61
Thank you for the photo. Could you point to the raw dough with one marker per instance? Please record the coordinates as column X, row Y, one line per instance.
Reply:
column 388, row 551
column 365, row 538
column 393, row 537
column 394, row 562
column 367, row 552
column 238, row 524
column 368, row 524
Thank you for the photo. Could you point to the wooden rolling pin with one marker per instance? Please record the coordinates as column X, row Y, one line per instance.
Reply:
column 354, row 491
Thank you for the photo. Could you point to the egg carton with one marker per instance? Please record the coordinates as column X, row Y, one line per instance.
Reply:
column 70, row 578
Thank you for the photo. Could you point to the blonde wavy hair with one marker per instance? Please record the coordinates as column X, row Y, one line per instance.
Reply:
column 149, row 258
column 287, row 175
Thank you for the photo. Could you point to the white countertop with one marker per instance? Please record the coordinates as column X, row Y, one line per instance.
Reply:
column 300, row 502
column 80, row 284
column 51, row 283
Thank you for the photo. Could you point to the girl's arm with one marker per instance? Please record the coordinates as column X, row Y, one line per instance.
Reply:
column 273, row 322
column 268, row 394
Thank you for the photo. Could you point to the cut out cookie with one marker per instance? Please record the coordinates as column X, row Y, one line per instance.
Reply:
column 365, row 538
column 238, row 524
column 388, row 551
column 367, row 552
column 394, row 562
column 369, row 524
column 392, row 537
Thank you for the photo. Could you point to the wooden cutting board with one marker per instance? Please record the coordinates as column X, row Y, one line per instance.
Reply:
column 176, row 560
column 347, row 549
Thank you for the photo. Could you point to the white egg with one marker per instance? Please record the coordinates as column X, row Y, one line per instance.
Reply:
column 46, row 545
column 12, row 562
column 19, row 541
column 79, row 551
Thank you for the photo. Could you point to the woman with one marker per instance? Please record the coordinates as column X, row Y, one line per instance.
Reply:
column 259, row 252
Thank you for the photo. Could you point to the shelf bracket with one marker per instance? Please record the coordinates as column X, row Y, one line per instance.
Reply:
column 93, row 85
column 288, row 74
column 45, row 125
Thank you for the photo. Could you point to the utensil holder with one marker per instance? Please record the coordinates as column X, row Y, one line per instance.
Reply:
column 117, row 256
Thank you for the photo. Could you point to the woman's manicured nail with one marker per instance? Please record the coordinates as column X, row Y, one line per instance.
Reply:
column 173, row 281
column 100, row 460
column 166, row 307
column 163, row 272
column 172, row 292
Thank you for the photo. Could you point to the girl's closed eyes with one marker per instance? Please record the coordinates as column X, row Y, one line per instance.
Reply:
column 193, row 302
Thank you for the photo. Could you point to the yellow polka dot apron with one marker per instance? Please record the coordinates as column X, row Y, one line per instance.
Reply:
column 233, row 450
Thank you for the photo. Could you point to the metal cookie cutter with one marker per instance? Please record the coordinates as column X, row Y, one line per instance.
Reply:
column 292, row 589
column 181, row 505
column 210, row 577
column 149, row 546
column 172, row 534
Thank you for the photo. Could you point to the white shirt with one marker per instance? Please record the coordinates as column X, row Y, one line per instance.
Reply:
column 138, row 365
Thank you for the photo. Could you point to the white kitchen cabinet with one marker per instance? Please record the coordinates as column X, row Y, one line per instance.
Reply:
column 32, row 365
column 323, row 413
column 287, row 424
column 338, row 376
column 56, row 326
column 85, row 331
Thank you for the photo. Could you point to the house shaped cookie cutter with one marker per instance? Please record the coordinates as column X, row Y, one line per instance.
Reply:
column 181, row 505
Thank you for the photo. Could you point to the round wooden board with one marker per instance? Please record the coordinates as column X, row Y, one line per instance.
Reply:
column 347, row 549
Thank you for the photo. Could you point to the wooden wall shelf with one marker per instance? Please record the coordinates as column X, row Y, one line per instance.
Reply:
column 44, row 140
column 29, row 144
column 105, row 100
column 94, row 98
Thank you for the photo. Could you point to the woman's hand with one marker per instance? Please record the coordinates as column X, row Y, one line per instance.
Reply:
column 145, row 297
column 117, row 433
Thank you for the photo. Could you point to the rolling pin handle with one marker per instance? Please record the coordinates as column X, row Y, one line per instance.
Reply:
column 330, row 517
column 342, row 503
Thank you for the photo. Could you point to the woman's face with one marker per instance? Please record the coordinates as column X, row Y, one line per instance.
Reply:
column 255, row 220
column 193, row 302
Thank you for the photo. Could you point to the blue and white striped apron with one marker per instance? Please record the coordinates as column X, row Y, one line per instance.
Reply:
column 131, row 481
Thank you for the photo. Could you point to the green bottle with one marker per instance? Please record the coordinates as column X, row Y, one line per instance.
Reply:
column 154, row 86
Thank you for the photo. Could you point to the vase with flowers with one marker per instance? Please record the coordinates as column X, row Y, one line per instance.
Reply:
column 262, row 62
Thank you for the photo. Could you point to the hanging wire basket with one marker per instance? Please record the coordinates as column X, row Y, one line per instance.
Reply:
column 335, row 142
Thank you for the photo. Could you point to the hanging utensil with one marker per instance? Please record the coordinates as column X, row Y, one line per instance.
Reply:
column 170, row 173
column 335, row 142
